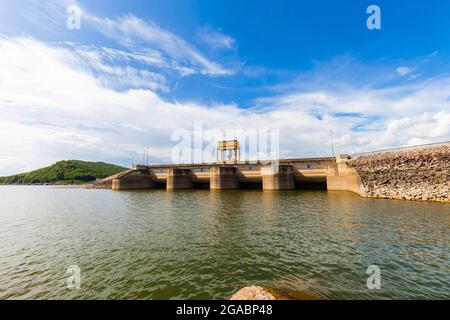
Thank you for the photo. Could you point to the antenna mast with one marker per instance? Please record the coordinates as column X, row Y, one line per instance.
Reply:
column 332, row 144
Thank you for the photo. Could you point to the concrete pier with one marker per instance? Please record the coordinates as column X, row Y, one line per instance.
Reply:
column 278, row 177
column 179, row 179
column 224, row 177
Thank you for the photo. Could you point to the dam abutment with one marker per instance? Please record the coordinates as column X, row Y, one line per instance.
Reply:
column 341, row 176
column 133, row 179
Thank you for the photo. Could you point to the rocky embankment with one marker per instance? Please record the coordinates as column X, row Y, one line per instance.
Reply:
column 411, row 174
column 100, row 184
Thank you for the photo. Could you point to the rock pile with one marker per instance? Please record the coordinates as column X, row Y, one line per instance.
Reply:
column 411, row 174
column 254, row 293
column 263, row 293
column 100, row 184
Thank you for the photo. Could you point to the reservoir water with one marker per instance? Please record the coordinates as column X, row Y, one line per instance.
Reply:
column 200, row 244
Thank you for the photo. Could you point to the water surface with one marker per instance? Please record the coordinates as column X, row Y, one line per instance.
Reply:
column 201, row 244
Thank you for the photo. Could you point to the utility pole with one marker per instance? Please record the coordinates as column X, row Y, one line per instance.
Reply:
column 332, row 144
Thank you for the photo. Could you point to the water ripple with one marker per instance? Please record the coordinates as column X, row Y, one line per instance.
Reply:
column 206, row 245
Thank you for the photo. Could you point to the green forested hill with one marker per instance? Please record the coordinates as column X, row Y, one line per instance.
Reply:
column 70, row 171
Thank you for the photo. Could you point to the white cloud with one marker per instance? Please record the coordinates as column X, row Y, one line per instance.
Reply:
column 112, row 68
column 53, row 107
column 138, row 34
column 144, row 39
column 403, row 71
column 216, row 40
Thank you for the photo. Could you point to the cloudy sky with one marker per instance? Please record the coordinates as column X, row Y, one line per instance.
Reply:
column 136, row 71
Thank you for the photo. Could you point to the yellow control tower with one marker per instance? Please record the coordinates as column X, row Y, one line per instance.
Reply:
column 228, row 151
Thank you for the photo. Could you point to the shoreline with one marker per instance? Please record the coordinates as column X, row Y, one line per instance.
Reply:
column 46, row 184
column 446, row 201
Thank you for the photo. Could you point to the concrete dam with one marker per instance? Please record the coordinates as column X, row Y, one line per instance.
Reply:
column 326, row 173
column 420, row 173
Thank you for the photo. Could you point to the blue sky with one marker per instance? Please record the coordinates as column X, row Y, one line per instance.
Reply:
column 138, row 70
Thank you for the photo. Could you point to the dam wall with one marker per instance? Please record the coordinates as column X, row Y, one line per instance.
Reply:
column 287, row 174
column 411, row 174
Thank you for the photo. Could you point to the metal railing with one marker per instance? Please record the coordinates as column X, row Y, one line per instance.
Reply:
column 400, row 148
